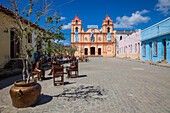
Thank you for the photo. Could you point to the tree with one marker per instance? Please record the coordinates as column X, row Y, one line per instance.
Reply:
column 72, row 50
column 60, row 48
column 33, row 12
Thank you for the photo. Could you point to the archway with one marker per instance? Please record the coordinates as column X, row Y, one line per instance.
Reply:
column 86, row 51
column 92, row 50
column 99, row 51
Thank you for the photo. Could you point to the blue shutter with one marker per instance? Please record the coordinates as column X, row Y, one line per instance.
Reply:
column 154, row 48
column 76, row 37
column 108, row 37
column 92, row 36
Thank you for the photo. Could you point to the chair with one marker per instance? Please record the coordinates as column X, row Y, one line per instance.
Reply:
column 73, row 68
column 34, row 70
column 58, row 71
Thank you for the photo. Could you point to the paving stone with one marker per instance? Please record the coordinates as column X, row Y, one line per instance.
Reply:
column 105, row 85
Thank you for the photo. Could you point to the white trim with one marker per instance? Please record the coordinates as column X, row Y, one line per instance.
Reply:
column 157, row 23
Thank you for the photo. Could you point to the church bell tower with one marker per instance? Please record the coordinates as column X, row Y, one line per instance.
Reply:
column 76, row 27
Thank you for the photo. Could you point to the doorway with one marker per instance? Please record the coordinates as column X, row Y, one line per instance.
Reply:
column 164, row 43
column 86, row 51
column 99, row 51
column 14, row 44
column 138, row 50
column 150, row 44
column 92, row 50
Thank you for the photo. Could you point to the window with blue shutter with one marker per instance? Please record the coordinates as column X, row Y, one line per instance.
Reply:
column 92, row 36
column 108, row 37
column 76, row 35
column 144, row 49
column 155, row 48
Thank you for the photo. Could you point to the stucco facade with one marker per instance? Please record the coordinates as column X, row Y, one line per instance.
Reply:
column 93, row 42
column 156, row 42
column 130, row 46
column 121, row 34
column 8, row 46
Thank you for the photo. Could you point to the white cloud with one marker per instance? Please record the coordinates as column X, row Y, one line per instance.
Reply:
column 62, row 18
column 129, row 22
column 65, row 42
column 163, row 6
column 68, row 26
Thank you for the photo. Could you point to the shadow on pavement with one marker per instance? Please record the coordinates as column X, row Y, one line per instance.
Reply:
column 79, row 76
column 68, row 83
column 83, row 92
column 82, row 76
column 9, row 81
column 44, row 99
column 48, row 78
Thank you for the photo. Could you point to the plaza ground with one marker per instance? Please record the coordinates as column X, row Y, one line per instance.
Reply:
column 105, row 85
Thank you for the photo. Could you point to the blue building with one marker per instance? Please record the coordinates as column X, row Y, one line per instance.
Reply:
column 155, row 42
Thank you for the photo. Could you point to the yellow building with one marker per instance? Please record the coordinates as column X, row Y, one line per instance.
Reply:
column 93, row 42
column 8, row 39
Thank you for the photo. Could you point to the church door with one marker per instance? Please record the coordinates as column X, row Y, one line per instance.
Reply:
column 99, row 51
column 92, row 50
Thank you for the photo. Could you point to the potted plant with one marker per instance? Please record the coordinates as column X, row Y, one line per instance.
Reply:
column 26, row 92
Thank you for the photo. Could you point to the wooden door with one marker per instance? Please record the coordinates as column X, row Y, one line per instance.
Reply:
column 14, row 45
column 164, row 49
column 150, row 44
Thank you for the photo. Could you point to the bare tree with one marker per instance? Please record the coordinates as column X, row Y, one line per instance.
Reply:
column 34, row 11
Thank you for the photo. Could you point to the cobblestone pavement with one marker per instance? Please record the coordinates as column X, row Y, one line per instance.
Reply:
column 105, row 85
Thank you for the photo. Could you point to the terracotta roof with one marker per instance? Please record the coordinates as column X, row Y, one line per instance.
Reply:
column 76, row 18
column 107, row 17
column 11, row 14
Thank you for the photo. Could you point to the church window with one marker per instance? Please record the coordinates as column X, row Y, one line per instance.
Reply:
column 76, row 35
column 108, row 37
column 108, row 29
column 120, row 37
column 76, row 21
column 108, row 22
column 76, row 29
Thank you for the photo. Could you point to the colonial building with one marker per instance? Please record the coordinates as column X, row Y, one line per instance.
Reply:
column 129, row 46
column 8, row 37
column 155, row 42
column 120, row 35
column 93, row 42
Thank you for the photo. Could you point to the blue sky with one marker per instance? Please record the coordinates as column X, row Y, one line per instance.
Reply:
column 126, row 14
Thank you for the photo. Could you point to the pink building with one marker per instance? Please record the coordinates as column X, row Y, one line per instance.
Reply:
column 129, row 46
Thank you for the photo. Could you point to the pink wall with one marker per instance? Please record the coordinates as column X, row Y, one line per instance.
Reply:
column 130, row 44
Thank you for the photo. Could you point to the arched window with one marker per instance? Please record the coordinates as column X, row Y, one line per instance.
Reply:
column 108, row 29
column 108, row 22
column 76, row 29
column 76, row 35
column 120, row 37
column 76, row 21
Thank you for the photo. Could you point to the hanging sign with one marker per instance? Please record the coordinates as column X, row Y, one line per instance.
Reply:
column 92, row 26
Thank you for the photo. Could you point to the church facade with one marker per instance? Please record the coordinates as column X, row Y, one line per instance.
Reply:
column 93, row 42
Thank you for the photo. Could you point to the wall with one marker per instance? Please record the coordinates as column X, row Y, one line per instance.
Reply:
column 158, row 32
column 6, row 23
column 118, row 40
column 160, row 49
column 130, row 46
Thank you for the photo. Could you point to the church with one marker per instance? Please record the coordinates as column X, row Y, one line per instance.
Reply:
column 93, row 42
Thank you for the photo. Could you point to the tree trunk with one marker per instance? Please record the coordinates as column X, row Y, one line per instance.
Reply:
column 23, row 69
column 28, row 74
